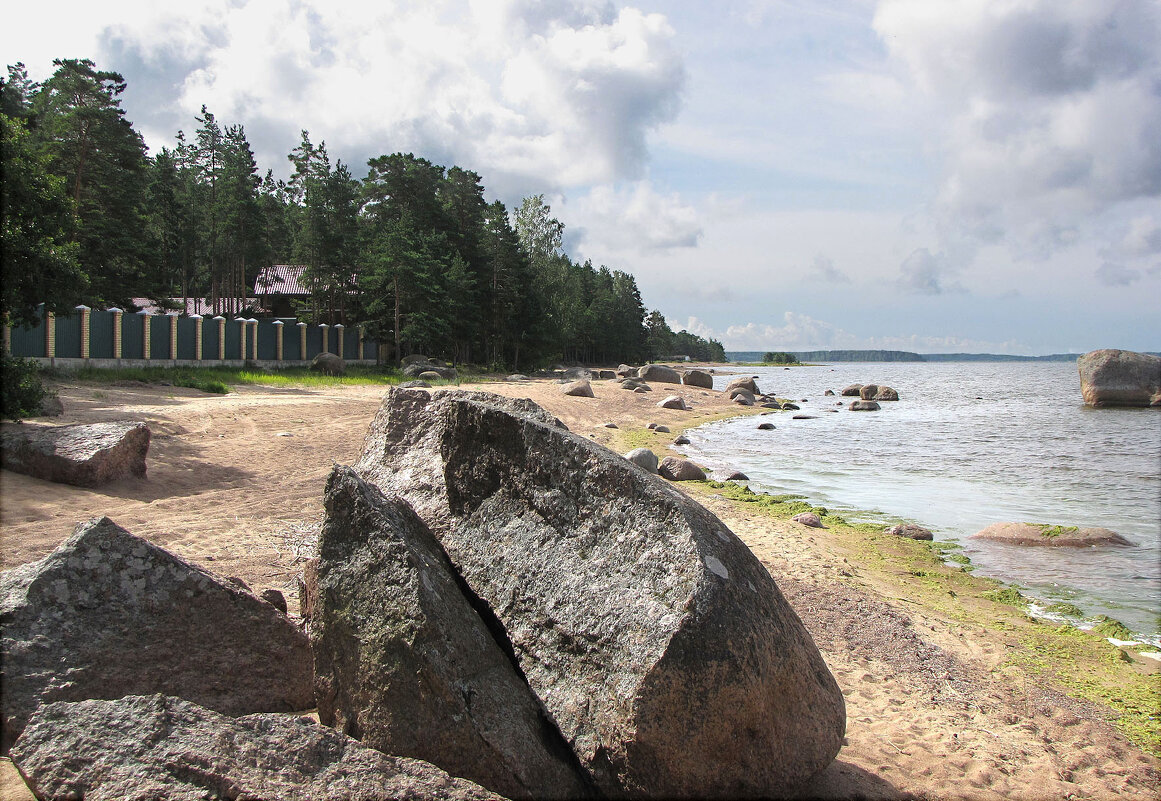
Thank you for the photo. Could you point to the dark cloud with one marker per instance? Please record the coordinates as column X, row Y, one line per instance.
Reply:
column 1111, row 274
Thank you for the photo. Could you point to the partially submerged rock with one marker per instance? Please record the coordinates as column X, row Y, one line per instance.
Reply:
column 864, row 406
column 85, row 455
column 108, row 614
column 656, row 642
column 851, row 391
column 1045, row 534
column 910, row 531
column 404, row 663
column 1120, row 378
column 144, row 748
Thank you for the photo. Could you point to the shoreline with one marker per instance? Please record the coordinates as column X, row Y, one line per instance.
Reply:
column 949, row 694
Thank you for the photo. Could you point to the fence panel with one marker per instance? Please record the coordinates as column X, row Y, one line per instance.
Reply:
column 291, row 346
column 158, row 336
column 28, row 341
column 132, row 326
column 187, row 338
column 209, row 339
column 68, row 335
column 233, row 339
column 314, row 342
column 268, row 339
column 101, row 335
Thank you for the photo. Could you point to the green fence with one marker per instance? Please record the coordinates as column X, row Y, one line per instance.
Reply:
column 113, row 337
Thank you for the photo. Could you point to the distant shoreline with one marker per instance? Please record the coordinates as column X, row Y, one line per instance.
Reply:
column 899, row 356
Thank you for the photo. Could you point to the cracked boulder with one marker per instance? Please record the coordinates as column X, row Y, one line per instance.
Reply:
column 143, row 748
column 85, row 455
column 405, row 663
column 108, row 614
column 658, row 645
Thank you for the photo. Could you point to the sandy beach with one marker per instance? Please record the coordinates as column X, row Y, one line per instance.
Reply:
column 937, row 703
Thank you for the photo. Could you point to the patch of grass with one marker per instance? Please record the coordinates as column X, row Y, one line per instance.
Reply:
column 219, row 379
column 1065, row 608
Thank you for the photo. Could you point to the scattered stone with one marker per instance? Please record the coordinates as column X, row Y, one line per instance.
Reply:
column 829, row 393
column 790, row 407
column 661, row 429
column 626, row 371
column 886, row 394
column 852, row 391
column 1044, row 534
column 808, row 519
column 868, row 391
column 675, row 468
column 681, row 440
column 642, row 390
column 426, row 678
column 651, row 426
column 1120, row 378
column 517, row 377
column 275, row 599
column 606, row 375
column 578, row 374
column 659, row 373
column 737, row 475
column 698, row 378
column 417, row 384
column 328, row 364
column 108, row 614
column 147, row 747
column 430, row 375
column 578, row 389
column 804, row 417
column 416, row 369
column 611, row 425
column 612, row 586
column 744, row 399
column 909, row 530
column 864, row 406
column 765, row 426
column 84, row 455
column 643, row 457
column 673, row 402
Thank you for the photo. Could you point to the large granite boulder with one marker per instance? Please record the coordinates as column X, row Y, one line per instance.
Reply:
column 659, row 374
column 697, row 378
column 1120, row 378
column 580, row 388
column 743, row 382
column 328, row 364
column 656, row 642
column 868, row 391
column 85, row 455
column 108, row 614
column 404, row 662
column 1050, row 535
column 886, row 394
column 852, row 391
column 145, row 748
column 626, row 371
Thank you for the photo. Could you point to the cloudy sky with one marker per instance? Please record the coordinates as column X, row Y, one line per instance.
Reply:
column 928, row 175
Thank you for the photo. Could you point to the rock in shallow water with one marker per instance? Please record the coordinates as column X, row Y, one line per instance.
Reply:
column 144, row 748
column 1044, row 534
column 657, row 643
column 1120, row 378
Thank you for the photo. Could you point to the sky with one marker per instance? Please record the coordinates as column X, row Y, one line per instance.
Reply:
column 924, row 175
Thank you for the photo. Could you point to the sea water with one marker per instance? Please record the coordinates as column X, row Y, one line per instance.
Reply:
column 969, row 444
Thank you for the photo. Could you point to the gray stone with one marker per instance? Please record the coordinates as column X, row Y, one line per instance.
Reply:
column 430, row 375
column 85, row 455
column 50, row 406
column 659, row 374
column 1120, row 378
column 698, row 378
column 415, row 369
column 578, row 389
column 864, row 406
column 328, row 364
column 651, row 635
column 745, row 399
column 606, row 375
column 416, row 384
column 150, row 747
column 910, row 531
column 852, row 391
column 661, row 429
column 673, row 402
column 886, row 394
column 1049, row 535
column 736, row 475
column 681, row 439
column 626, row 371
column 868, row 391
column 517, row 377
column 743, row 382
column 108, row 614
column 644, row 458
column 808, row 519
column 406, row 664
column 790, row 407
column 829, row 393
column 675, row 468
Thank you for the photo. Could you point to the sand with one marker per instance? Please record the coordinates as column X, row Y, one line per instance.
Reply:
column 235, row 484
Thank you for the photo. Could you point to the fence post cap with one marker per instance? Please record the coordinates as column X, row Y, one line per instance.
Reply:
column 195, row 317
column 219, row 317
column 302, row 324
column 146, row 312
column 173, row 314
column 339, row 325
column 83, row 307
column 115, row 310
column 278, row 322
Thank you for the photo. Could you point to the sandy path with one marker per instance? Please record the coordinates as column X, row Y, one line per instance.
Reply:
column 235, row 484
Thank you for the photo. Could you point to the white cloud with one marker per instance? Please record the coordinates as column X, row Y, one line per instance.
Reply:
column 1050, row 105
column 823, row 269
column 633, row 218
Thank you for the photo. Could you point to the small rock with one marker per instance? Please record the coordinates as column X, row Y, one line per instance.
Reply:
column 644, row 458
column 677, row 469
column 852, row 391
column 673, row 402
column 864, row 406
column 328, row 364
column 681, row 440
column 661, row 429
column 765, row 426
column 737, row 475
column 611, row 425
column 578, row 389
column 416, row 384
column 809, row 519
column 909, row 530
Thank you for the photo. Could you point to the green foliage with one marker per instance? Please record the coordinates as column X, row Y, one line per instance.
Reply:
column 1007, row 595
column 778, row 357
column 1106, row 626
column 1064, row 608
column 22, row 390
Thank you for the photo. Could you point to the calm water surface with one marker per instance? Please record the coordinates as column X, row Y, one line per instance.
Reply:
column 967, row 445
